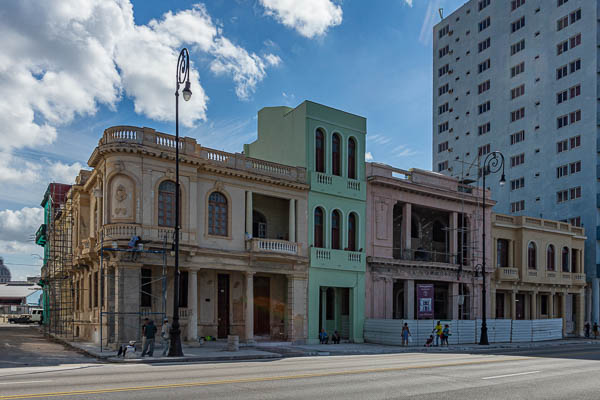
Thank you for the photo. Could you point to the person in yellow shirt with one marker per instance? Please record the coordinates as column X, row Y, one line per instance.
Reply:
column 438, row 332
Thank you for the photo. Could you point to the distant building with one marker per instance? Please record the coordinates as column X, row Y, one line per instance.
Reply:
column 521, row 77
column 4, row 272
column 539, row 270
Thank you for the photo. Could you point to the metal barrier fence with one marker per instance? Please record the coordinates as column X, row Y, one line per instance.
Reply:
column 389, row 331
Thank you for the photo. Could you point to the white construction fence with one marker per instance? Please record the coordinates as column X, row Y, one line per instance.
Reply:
column 389, row 331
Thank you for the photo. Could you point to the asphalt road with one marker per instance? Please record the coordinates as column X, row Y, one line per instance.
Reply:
column 559, row 372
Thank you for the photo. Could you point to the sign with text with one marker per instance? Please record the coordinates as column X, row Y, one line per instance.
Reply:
column 424, row 301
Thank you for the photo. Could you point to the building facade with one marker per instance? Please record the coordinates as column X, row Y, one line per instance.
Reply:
column 424, row 228
column 521, row 77
column 243, row 250
column 330, row 144
column 539, row 270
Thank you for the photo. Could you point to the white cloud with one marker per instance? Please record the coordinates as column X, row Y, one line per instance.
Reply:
column 378, row 139
column 404, row 151
column 425, row 36
column 63, row 173
column 19, row 225
column 310, row 18
column 63, row 58
column 368, row 156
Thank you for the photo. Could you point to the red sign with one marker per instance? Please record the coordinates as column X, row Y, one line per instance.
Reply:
column 425, row 301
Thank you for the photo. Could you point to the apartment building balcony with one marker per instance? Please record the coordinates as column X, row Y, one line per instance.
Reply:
column 337, row 259
column 259, row 245
column 337, row 185
column 507, row 274
column 579, row 279
column 40, row 235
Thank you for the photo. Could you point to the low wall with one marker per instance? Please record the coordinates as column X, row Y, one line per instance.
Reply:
column 389, row 331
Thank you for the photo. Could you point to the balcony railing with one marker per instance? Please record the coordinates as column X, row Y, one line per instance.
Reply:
column 507, row 274
column 260, row 245
column 427, row 256
column 579, row 279
column 337, row 259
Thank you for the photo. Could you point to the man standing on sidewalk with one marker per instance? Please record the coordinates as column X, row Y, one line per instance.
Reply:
column 437, row 330
column 166, row 339
column 149, row 335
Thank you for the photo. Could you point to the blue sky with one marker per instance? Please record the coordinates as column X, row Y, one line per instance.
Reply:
column 72, row 68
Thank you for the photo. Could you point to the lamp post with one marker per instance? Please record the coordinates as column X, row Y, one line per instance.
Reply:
column 492, row 164
column 182, row 76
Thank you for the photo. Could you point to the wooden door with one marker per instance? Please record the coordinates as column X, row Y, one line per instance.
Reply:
column 262, row 306
column 223, row 306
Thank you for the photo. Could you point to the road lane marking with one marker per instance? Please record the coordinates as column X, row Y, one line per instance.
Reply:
column 508, row 375
column 258, row 379
column 16, row 383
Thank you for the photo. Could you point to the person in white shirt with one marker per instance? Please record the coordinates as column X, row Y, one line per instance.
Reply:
column 166, row 338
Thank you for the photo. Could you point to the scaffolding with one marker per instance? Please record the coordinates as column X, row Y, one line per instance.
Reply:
column 57, row 283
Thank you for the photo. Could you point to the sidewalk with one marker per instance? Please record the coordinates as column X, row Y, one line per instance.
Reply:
column 217, row 351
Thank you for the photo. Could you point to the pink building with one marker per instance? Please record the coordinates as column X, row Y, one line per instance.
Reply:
column 424, row 228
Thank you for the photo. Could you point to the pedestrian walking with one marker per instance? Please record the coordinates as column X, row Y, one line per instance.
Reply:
column 149, row 335
column 595, row 330
column 445, row 334
column 437, row 330
column 144, row 332
column 166, row 338
column 587, row 329
column 405, row 334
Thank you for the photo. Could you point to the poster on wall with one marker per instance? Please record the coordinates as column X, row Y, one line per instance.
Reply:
column 424, row 301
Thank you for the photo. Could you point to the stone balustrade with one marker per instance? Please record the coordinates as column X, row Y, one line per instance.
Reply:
column 507, row 274
column 260, row 245
column 188, row 147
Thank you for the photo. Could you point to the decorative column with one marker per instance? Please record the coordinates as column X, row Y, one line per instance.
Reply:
column 389, row 298
column 580, row 308
column 493, row 300
column 250, row 305
column 409, row 299
column 454, row 238
column 551, row 305
column 563, row 312
column 454, row 300
column 513, row 304
column 534, row 313
column 192, row 334
column 323, row 308
column 406, row 224
column 292, row 221
column 249, row 213
column 297, row 305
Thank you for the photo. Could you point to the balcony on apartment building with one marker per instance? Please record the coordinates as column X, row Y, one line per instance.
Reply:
column 271, row 225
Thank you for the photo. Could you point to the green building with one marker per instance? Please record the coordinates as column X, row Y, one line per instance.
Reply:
column 330, row 144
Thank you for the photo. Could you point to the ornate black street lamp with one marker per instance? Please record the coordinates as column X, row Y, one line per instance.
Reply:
column 492, row 164
column 182, row 76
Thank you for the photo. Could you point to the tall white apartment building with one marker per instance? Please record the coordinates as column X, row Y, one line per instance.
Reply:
column 521, row 77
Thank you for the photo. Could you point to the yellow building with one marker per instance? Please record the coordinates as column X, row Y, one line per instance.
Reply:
column 538, row 270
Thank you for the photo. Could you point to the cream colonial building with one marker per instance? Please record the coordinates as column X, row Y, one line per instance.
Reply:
column 539, row 270
column 243, row 241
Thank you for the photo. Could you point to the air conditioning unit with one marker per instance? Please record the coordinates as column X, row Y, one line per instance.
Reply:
column 450, row 72
column 451, row 91
column 450, row 149
column 452, row 109
column 451, row 129
column 451, row 52
column 450, row 33
column 449, row 169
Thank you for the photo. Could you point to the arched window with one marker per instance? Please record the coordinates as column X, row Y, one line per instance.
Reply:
column 166, row 203
column 336, row 160
column 318, row 239
column 320, row 151
column 550, row 258
column 532, row 256
column 565, row 259
column 335, row 229
column 352, row 232
column 502, row 253
column 351, row 158
column 217, row 214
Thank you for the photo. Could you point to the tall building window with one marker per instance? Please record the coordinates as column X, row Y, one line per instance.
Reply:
column 217, row 214
column 518, row 24
column 443, row 127
column 166, row 203
column 517, row 160
column 517, row 47
column 532, row 256
column 484, row 107
column 517, row 137
column 444, row 70
column 444, row 31
column 485, row 65
column 183, row 289
column 574, row 66
column 502, row 253
column 483, row 129
column 483, row 150
column 574, row 261
column 483, row 87
column 550, row 258
column 517, row 183
column 318, row 233
column 320, row 150
column 443, row 89
column 336, row 160
column 484, row 24
column 517, row 69
column 517, row 114
column 483, row 45
column 561, row 2
column 484, row 3
column 442, row 166
column 514, row 4
column 517, row 92
column 335, row 229
column 442, row 147
column 517, row 206
column 352, row 239
column 443, row 108
column 351, row 158
column 443, row 51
